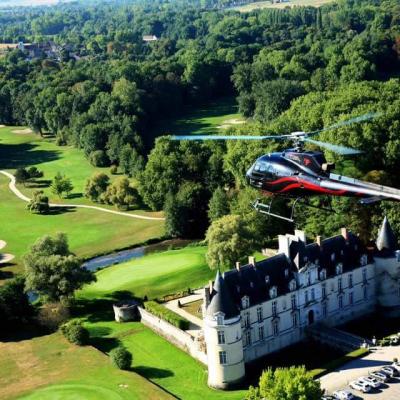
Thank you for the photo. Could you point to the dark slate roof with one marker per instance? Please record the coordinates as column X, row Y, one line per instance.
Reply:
column 386, row 241
column 221, row 300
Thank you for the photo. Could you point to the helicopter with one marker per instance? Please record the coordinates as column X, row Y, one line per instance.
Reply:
column 297, row 173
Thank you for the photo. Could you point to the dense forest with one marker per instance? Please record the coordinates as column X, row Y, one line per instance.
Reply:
column 290, row 69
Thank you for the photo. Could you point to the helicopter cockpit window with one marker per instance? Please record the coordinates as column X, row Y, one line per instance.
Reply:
column 261, row 166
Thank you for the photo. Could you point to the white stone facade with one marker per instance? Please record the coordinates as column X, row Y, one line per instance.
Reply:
column 313, row 295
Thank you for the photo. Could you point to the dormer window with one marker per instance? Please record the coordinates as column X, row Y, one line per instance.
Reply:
column 273, row 292
column 286, row 273
column 355, row 247
column 322, row 274
column 341, row 252
column 364, row 260
column 245, row 302
column 238, row 288
column 267, row 279
column 220, row 318
column 292, row 285
column 333, row 257
column 316, row 262
column 252, row 285
column 339, row 269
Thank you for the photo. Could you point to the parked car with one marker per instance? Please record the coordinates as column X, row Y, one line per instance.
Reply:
column 361, row 386
column 327, row 397
column 343, row 395
column 380, row 376
column 369, row 380
column 390, row 371
column 396, row 366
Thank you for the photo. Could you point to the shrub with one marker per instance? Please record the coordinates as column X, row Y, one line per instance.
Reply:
column 75, row 333
column 113, row 170
column 34, row 173
column 161, row 312
column 98, row 158
column 52, row 315
column 121, row 357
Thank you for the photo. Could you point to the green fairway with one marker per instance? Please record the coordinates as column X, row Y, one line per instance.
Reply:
column 209, row 119
column 49, row 367
column 292, row 3
column 159, row 361
column 153, row 275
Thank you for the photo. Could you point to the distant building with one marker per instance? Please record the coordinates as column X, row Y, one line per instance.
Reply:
column 150, row 38
column 262, row 307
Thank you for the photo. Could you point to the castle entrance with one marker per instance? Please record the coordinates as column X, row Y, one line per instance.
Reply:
column 310, row 317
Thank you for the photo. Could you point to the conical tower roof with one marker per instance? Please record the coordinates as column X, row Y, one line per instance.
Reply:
column 386, row 240
column 222, row 300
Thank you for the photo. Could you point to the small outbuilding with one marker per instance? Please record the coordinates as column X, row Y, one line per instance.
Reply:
column 126, row 310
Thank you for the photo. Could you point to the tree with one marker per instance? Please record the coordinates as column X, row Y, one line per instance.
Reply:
column 75, row 332
column 229, row 240
column 21, row 175
column 293, row 383
column 98, row 158
column 34, row 173
column 39, row 203
column 96, row 186
column 218, row 205
column 61, row 184
column 52, row 271
column 121, row 358
column 121, row 194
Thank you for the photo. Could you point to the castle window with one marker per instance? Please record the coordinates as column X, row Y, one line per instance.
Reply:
column 293, row 301
column 351, row 298
column 292, row 285
column 323, row 287
column 220, row 319
column 222, row 357
column 273, row 292
column 364, row 260
column 275, row 328
column 365, row 292
column 294, row 320
column 333, row 256
column 316, row 262
column 312, row 294
column 286, row 273
column 339, row 284
column 259, row 314
column 364, row 272
column 238, row 288
column 350, row 280
column 306, row 299
column 261, row 332
column 221, row 337
column 324, row 310
column 340, row 302
column 339, row 269
column 322, row 274
column 247, row 320
column 274, row 308
column 267, row 279
column 245, row 302
column 248, row 338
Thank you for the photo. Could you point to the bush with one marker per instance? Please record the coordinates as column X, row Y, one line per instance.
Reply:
column 75, row 333
column 34, row 173
column 113, row 170
column 52, row 315
column 167, row 315
column 98, row 158
column 121, row 358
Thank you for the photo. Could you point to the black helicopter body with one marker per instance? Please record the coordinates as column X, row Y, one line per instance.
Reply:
column 294, row 173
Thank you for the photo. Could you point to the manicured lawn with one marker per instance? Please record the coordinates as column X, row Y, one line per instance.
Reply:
column 49, row 368
column 209, row 119
column 89, row 231
column 292, row 3
column 153, row 275
column 159, row 361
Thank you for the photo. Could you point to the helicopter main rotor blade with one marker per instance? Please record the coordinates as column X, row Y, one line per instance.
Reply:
column 334, row 147
column 227, row 137
column 360, row 118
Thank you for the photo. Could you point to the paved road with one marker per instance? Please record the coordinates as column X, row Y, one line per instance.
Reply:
column 15, row 190
column 339, row 379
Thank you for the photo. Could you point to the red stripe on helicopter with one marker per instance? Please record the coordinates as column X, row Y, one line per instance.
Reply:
column 311, row 186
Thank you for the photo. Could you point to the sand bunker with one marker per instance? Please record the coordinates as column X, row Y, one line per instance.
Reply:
column 6, row 258
column 2, row 244
column 22, row 131
column 2, row 126
column 230, row 122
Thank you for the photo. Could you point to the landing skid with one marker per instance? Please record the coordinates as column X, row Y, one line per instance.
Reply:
column 265, row 209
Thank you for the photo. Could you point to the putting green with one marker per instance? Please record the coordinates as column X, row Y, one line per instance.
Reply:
column 71, row 391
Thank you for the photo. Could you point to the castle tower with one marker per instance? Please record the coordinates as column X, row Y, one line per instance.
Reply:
column 387, row 262
column 223, row 337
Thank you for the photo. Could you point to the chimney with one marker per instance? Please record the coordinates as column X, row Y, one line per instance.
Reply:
column 252, row 261
column 301, row 235
column 210, row 285
column 345, row 233
column 238, row 266
column 284, row 242
column 319, row 240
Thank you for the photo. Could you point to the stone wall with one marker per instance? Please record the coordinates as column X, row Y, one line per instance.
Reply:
column 174, row 335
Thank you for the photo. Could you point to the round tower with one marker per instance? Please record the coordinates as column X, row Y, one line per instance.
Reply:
column 223, row 337
column 387, row 264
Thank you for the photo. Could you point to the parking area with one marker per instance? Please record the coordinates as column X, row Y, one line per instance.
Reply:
column 378, row 358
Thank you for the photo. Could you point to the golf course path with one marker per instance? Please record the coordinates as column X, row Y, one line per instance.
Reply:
column 15, row 190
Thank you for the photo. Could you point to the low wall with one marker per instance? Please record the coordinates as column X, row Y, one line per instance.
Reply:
column 174, row 335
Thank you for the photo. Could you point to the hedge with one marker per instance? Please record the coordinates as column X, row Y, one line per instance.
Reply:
column 167, row 315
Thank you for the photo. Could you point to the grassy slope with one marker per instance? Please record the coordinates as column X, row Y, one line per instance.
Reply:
column 72, row 373
column 202, row 120
column 292, row 3
column 153, row 275
column 159, row 361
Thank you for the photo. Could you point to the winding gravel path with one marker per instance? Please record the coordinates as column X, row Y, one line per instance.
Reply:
column 15, row 190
